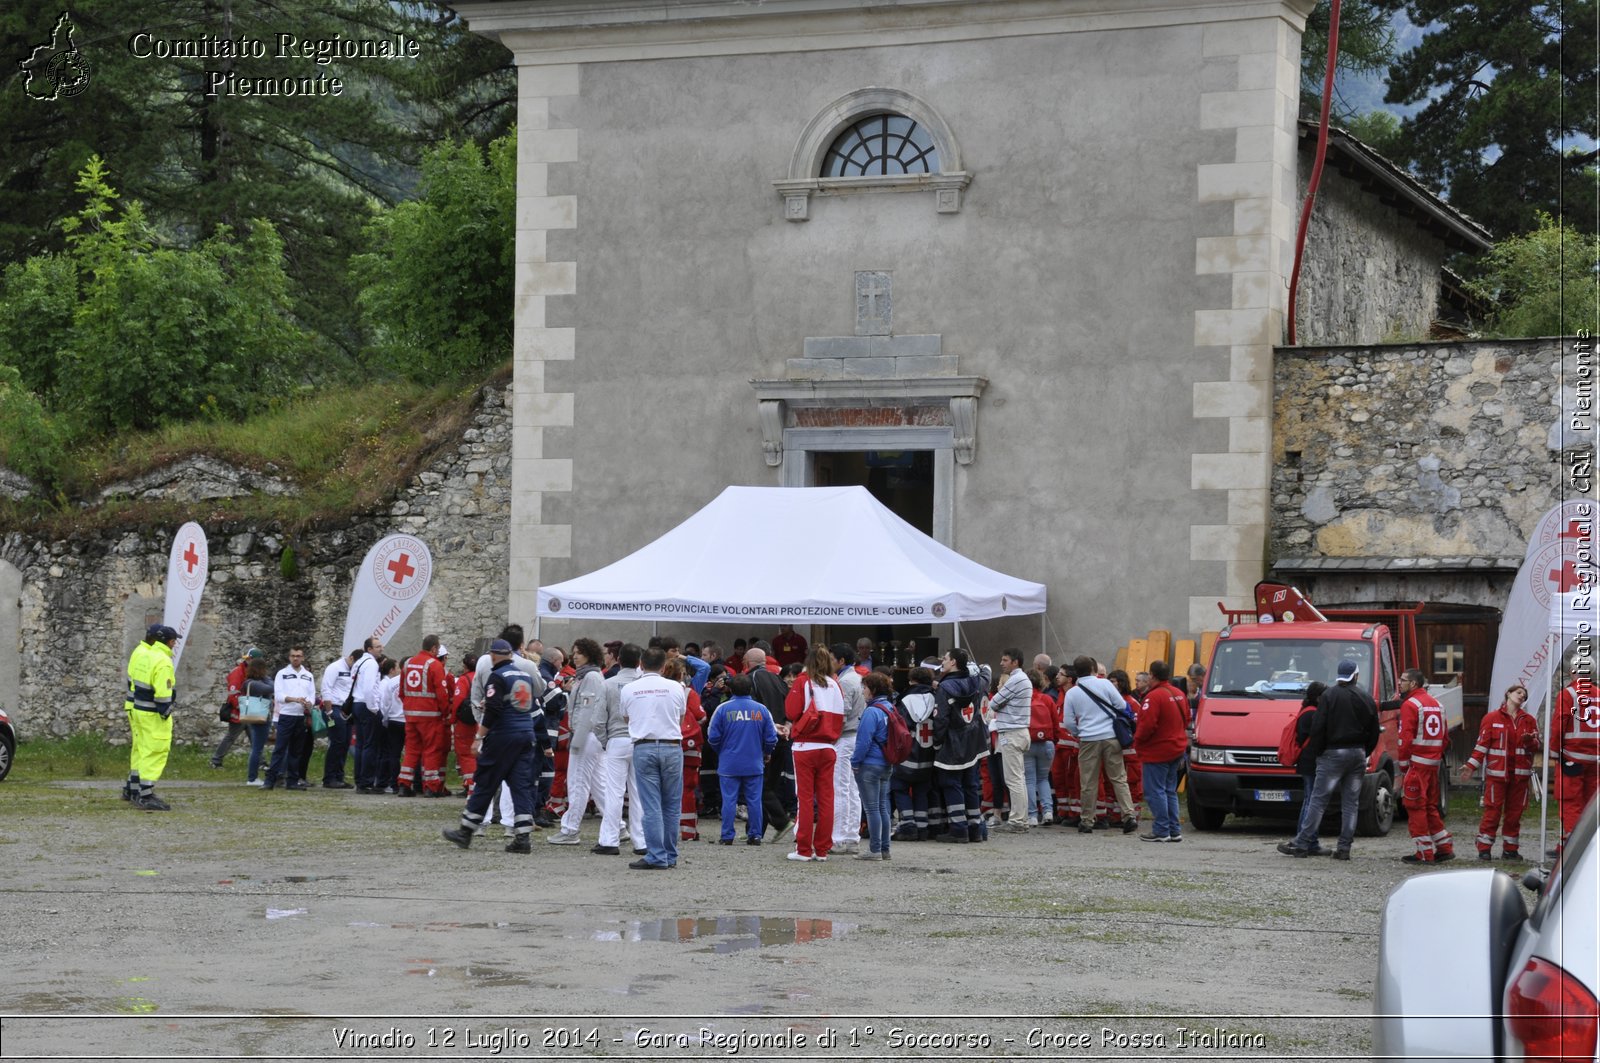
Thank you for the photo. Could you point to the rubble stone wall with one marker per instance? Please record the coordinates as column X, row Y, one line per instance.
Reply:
column 1427, row 450
column 84, row 602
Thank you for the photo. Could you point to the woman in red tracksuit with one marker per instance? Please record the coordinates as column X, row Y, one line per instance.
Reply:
column 1043, row 732
column 693, row 738
column 815, row 708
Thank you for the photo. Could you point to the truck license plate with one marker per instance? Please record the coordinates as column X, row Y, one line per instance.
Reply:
column 1272, row 795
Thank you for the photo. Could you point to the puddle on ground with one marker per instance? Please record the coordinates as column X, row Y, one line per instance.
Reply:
column 477, row 975
column 437, row 927
column 285, row 913
column 737, row 932
column 71, row 1003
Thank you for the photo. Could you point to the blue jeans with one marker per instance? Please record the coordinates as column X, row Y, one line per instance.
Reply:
column 258, row 745
column 737, row 788
column 286, row 749
column 1036, row 767
column 1337, row 769
column 658, row 774
column 1308, row 783
column 1161, row 794
column 873, row 781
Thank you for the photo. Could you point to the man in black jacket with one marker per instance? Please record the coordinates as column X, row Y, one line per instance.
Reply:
column 1344, row 732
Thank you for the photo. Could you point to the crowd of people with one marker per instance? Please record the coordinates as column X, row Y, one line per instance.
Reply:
column 814, row 743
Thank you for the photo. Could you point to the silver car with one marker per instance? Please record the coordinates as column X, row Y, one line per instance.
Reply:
column 1465, row 973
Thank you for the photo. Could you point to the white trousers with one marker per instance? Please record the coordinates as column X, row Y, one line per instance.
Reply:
column 616, row 780
column 583, row 780
column 846, row 797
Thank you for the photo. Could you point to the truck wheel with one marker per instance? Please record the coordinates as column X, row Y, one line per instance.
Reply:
column 1204, row 818
column 1376, row 815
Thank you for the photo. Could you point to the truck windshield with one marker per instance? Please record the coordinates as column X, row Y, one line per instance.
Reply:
column 1280, row 668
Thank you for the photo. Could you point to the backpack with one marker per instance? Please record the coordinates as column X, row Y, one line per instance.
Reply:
column 1289, row 746
column 897, row 746
column 1122, row 721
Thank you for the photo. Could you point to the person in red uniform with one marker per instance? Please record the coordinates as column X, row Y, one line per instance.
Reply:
column 425, row 693
column 788, row 646
column 1162, row 736
column 1064, row 768
column 465, row 733
column 693, row 738
column 1423, row 737
column 1507, row 742
column 1575, row 739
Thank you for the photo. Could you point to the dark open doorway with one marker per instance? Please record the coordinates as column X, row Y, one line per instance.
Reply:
column 903, row 481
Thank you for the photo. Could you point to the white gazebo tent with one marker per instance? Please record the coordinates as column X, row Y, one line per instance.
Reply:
column 794, row 555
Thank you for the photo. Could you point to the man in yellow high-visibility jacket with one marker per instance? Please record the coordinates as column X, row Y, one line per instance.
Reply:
column 149, row 709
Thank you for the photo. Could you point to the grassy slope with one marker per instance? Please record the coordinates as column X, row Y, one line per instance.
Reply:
column 346, row 449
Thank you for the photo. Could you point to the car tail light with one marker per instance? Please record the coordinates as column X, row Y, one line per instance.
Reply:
column 1552, row 1014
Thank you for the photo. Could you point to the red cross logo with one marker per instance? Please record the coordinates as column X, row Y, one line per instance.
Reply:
column 522, row 696
column 190, row 556
column 402, row 568
column 1565, row 578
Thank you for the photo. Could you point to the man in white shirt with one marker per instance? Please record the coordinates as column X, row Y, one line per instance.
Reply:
column 1013, row 709
column 368, row 741
column 294, row 694
column 654, row 707
column 336, row 683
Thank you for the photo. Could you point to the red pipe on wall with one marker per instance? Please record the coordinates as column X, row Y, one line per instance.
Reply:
column 1316, row 168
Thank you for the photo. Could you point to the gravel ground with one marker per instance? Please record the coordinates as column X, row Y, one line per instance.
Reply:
column 326, row 925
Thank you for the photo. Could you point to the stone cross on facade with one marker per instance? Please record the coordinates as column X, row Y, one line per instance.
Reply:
column 874, row 303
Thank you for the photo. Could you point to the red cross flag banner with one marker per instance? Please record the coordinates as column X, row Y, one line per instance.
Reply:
column 188, row 565
column 1560, row 560
column 389, row 586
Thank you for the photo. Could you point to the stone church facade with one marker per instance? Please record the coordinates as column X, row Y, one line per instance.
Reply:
column 1066, row 304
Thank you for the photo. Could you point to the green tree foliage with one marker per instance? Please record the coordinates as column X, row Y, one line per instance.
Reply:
column 1501, row 83
column 31, row 441
column 38, row 299
column 1543, row 282
column 146, row 334
column 201, row 150
column 1366, row 46
column 1378, row 130
column 436, row 282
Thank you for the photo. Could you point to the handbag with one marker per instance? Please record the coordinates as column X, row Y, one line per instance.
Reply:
column 809, row 720
column 254, row 709
column 1121, row 726
column 317, row 720
column 224, row 713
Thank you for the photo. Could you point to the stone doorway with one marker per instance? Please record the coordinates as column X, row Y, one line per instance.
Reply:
column 903, row 480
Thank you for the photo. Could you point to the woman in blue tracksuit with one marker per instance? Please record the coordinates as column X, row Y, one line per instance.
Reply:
column 872, row 768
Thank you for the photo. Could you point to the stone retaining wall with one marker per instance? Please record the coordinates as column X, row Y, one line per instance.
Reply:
column 85, row 601
column 1432, row 450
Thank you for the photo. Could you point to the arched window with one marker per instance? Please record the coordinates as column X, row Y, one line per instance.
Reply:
column 874, row 140
column 879, row 145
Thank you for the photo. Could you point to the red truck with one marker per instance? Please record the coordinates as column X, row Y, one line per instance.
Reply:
column 1260, row 667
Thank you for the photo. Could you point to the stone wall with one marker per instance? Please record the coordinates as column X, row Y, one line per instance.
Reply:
column 1368, row 274
column 1420, row 451
column 85, row 602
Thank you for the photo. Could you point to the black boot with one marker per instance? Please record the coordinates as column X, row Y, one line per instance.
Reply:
column 460, row 836
column 519, row 844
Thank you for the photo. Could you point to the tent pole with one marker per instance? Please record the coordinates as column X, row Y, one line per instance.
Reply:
column 536, row 620
column 1042, row 640
column 958, row 633
column 1552, row 645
